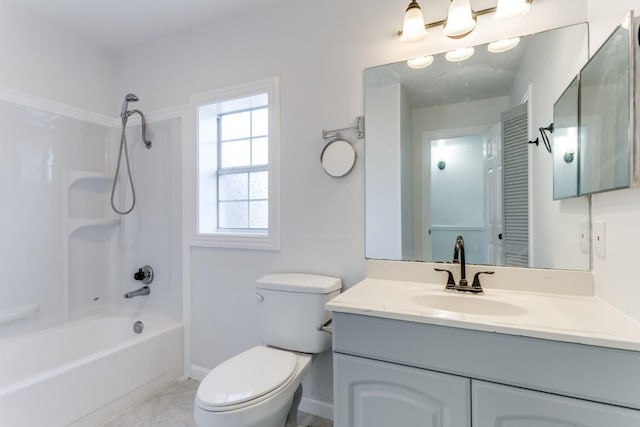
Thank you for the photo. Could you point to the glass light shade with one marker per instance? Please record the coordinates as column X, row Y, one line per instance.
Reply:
column 413, row 27
column 511, row 9
column 421, row 62
column 503, row 45
column 459, row 54
column 460, row 21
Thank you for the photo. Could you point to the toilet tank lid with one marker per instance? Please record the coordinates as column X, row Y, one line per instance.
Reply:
column 300, row 282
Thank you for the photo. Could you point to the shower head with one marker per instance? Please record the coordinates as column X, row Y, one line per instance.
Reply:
column 125, row 105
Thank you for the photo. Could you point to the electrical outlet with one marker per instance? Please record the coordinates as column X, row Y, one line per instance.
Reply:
column 584, row 236
column 599, row 239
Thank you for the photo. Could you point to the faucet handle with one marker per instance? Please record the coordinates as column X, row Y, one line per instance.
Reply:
column 476, row 279
column 450, row 282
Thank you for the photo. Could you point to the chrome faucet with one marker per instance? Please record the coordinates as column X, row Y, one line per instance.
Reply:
column 459, row 258
column 145, row 290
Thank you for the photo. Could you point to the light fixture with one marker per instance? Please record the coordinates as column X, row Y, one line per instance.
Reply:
column 413, row 28
column 511, row 9
column 460, row 20
column 420, row 62
column 459, row 54
column 503, row 45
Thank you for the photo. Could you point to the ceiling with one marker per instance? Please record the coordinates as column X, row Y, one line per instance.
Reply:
column 117, row 24
column 484, row 75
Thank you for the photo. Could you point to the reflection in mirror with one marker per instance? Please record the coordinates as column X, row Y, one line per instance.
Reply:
column 447, row 153
column 605, row 97
column 565, row 144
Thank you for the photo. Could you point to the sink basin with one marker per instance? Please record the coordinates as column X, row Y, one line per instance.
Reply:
column 468, row 304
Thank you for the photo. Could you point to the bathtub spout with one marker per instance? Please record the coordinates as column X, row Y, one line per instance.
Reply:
column 145, row 290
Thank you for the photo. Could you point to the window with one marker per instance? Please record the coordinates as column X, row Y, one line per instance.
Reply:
column 236, row 159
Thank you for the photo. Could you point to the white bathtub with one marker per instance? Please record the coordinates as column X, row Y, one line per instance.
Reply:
column 82, row 373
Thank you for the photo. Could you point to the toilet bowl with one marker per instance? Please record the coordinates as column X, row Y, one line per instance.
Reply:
column 253, row 389
column 261, row 387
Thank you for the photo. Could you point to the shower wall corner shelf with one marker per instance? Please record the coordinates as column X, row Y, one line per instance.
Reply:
column 74, row 225
column 85, row 205
column 76, row 176
column 13, row 314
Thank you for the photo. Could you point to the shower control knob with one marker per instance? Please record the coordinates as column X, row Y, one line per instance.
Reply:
column 144, row 274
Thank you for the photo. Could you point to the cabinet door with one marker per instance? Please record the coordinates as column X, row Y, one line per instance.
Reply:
column 370, row 393
column 502, row 406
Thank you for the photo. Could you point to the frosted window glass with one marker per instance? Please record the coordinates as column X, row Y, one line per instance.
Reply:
column 259, row 185
column 236, row 125
column 260, row 122
column 260, row 151
column 233, row 187
column 235, row 154
column 259, row 214
column 233, row 215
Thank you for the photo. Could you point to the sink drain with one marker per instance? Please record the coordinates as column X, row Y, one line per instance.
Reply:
column 138, row 327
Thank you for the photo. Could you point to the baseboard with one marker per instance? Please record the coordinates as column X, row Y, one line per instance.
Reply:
column 197, row 372
column 316, row 407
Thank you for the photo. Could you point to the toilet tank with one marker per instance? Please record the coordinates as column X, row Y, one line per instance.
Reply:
column 292, row 308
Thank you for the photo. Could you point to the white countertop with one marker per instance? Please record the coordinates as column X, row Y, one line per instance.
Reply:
column 569, row 318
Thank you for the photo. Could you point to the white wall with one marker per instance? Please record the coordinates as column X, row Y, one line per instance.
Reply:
column 319, row 50
column 151, row 233
column 615, row 278
column 40, row 59
column 384, row 236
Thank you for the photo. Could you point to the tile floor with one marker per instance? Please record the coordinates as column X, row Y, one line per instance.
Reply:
column 173, row 407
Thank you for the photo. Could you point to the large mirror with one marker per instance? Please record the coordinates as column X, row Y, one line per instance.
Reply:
column 606, row 96
column 447, row 154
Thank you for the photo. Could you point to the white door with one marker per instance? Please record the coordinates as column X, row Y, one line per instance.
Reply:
column 502, row 406
column 369, row 393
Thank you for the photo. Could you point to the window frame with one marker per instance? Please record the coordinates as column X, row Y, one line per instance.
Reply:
column 260, row 239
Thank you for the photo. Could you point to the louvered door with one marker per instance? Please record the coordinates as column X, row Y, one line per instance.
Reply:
column 515, row 184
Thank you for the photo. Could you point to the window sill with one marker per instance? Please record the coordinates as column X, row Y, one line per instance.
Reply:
column 253, row 241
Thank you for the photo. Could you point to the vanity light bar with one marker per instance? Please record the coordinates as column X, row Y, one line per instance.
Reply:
column 414, row 9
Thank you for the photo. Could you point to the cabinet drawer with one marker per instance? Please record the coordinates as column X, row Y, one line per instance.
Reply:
column 503, row 406
column 370, row 393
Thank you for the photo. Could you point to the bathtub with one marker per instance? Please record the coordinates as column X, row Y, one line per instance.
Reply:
column 84, row 372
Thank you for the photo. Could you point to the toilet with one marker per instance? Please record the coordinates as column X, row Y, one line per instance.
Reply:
column 262, row 387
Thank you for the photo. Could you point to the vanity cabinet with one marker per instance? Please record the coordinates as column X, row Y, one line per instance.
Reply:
column 401, row 373
column 380, row 394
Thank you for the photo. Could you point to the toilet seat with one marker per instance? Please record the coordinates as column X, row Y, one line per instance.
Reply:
column 246, row 379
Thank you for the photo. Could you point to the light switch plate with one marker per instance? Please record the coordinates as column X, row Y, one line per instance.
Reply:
column 599, row 239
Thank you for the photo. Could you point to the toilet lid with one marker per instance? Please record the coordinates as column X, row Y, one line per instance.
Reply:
column 246, row 376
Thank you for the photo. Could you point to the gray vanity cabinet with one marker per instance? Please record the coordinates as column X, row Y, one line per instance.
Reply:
column 380, row 394
column 497, row 405
column 405, row 374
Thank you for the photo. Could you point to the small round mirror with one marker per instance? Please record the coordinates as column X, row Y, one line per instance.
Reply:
column 338, row 158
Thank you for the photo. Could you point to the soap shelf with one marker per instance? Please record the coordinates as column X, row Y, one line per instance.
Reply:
column 76, row 176
column 17, row 313
column 74, row 225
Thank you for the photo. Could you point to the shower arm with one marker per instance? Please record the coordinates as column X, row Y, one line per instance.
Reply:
column 147, row 143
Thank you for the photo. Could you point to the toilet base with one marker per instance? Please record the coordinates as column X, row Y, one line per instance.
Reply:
column 292, row 417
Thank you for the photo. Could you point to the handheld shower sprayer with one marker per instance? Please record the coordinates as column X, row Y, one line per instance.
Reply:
column 125, row 105
column 124, row 114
